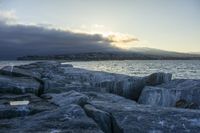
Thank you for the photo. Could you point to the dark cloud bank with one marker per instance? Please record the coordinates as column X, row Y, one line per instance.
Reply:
column 21, row 40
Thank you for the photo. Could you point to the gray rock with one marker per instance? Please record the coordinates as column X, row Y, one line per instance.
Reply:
column 186, row 104
column 19, row 85
column 62, row 86
column 167, row 95
column 35, row 105
column 108, row 98
column 103, row 118
column 17, row 72
column 66, row 65
column 158, row 78
column 67, row 98
column 144, row 119
column 58, row 79
column 70, row 119
column 123, row 85
column 43, row 64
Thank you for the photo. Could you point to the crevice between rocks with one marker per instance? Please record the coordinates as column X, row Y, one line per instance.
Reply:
column 104, row 120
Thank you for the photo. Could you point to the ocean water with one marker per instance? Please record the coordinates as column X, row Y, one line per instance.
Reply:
column 187, row 69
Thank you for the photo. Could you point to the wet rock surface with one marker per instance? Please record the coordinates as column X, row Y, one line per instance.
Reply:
column 58, row 98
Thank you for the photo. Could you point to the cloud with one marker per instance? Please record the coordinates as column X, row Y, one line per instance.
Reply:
column 18, row 39
column 8, row 17
column 21, row 40
column 121, row 38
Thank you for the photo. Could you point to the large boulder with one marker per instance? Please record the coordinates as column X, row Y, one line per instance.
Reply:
column 148, row 119
column 177, row 93
column 19, row 85
column 67, row 98
column 68, row 119
column 108, row 98
column 158, row 78
column 17, row 72
column 43, row 64
column 47, row 69
column 58, row 79
column 62, row 86
column 123, row 85
column 101, row 117
column 22, row 105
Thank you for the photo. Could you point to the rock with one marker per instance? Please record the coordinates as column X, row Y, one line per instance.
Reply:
column 168, row 94
column 144, row 119
column 102, row 118
column 71, row 97
column 44, row 64
column 66, row 65
column 15, row 111
column 35, row 105
column 123, row 85
column 185, row 104
column 47, row 69
column 158, row 78
column 17, row 72
column 108, row 98
column 70, row 119
column 18, row 85
column 61, row 86
column 181, row 104
column 46, row 96
column 77, row 100
column 58, row 79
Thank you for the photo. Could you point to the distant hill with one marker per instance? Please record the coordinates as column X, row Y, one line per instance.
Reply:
column 195, row 53
column 158, row 52
column 131, row 54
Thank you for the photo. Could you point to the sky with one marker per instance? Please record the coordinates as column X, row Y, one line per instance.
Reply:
column 108, row 24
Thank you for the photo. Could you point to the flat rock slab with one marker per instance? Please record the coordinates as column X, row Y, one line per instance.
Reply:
column 70, row 119
column 167, row 95
column 71, row 97
column 108, row 98
column 18, row 85
column 143, row 119
column 33, row 105
column 17, row 72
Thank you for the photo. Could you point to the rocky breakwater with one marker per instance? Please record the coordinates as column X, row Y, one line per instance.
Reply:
column 182, row 93
column 58, row 98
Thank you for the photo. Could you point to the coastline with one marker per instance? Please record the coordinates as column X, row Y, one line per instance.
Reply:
column 58, row 94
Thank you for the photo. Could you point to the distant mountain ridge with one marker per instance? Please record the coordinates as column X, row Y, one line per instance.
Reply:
column 159, row 52
column 131, row 54
column 195, row 53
